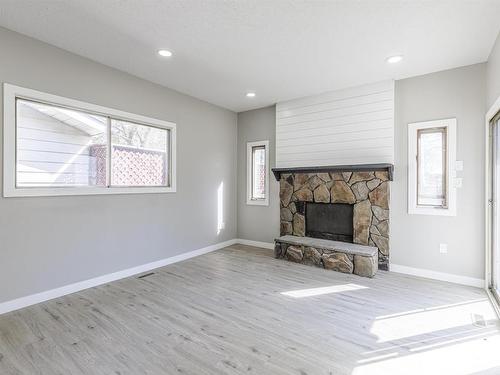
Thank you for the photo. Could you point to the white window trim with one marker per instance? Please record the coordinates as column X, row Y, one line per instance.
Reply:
column 250, row 201
column 488, row 204
column 11, row 92
column 451, row 149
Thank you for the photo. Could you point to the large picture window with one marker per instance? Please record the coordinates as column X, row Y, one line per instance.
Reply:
column 59, row 146
column 431, row 158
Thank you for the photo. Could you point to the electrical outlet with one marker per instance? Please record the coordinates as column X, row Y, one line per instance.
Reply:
column 443, row 248
column 458, row 182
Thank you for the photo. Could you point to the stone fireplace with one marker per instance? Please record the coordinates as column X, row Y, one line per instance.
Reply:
column 348, row 204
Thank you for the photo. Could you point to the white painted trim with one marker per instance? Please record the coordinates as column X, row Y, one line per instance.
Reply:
column 11, row 92
column 62, row 191
column 250, row 201
column 493, row 302
column 429, row 274
column 451, row 150
column 33, row 299
column 264, row 245
column 494, row 109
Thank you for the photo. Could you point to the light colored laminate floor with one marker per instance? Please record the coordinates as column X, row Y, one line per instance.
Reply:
column 240, row 311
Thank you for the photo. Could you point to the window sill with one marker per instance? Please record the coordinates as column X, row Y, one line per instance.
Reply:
column 50, row 192
column 263, row 202
column 432, row 211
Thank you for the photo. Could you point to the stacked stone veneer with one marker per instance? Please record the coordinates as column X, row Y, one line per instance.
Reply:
column 337, row 259
column 368, row 192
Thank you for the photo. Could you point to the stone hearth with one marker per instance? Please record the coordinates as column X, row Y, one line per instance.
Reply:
column 367, row 191
column 331, row 255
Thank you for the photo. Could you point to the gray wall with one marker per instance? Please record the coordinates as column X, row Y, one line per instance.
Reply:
column 49, row 242
column 493, row 74
column 415, row 239
column 257, row 223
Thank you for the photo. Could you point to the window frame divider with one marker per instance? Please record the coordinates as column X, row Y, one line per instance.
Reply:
column 108, row 152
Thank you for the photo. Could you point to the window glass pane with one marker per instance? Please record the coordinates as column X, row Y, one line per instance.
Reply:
column 431, row 166
column 59, row 147
column 139, row 155
column 258, row 172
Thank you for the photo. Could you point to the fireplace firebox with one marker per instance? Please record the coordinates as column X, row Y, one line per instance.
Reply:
column 330, row 221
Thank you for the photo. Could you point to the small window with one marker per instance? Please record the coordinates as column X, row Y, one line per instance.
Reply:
column 258, row 174
column 431, row 167
column 431, row 154
column 59, row 146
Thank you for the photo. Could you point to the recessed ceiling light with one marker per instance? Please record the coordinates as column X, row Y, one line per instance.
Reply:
column 394, row 59
column 250, row 94
column 164, row 53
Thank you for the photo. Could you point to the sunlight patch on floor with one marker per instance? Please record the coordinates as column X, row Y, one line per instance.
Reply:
column 411, row 324
column 431, row 308
column 301, row 293
column 472, row 355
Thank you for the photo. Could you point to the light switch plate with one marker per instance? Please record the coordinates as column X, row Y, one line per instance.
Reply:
column 459, row 165
column 443, row 248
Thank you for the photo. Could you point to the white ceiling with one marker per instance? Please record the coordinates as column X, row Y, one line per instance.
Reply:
column 281, row 49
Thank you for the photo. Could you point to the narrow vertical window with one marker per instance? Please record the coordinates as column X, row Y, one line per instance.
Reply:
column 258, row 173
column 431, row 167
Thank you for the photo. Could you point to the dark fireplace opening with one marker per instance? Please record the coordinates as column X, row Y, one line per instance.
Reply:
column 330, row 221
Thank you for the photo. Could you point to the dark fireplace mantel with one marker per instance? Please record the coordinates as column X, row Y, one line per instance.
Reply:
column 389, row 168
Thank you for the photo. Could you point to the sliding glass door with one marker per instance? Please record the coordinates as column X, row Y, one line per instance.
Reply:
column 495, row 201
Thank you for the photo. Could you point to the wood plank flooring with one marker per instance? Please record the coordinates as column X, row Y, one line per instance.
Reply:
column 240, row 311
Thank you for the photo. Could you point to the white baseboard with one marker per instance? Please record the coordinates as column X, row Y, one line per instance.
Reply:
column 33, row 299
column 265, row 245
column 429, row 274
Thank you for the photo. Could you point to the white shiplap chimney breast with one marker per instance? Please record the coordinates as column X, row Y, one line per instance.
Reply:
column 345, row 127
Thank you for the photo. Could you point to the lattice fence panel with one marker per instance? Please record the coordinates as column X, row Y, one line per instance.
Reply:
column 130, row 166
column 97, row 165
